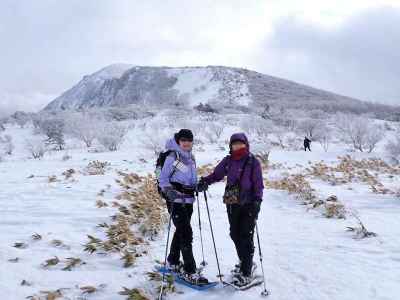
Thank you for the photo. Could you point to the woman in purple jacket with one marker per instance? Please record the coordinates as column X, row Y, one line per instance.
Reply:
column 243, row 197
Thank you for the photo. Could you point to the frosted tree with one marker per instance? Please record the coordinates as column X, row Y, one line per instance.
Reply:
column 280, row 133
column 111, row 135
column 213, row 132
column 53, row 128
column 21, row 118
column 83, row 127
column 393, row 148
column 317, row 114
column 309, row 126
column 324, row 138
column 257, row 128
column 359, row 132
column 6, row 145
column 374, row 135
column 36, row 147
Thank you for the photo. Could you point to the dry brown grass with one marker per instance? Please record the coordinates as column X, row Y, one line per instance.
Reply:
column 350, row 170
column 96, row 167
column 301, row 188
column 68, row 173
column 205, row 170
column 141, row 215
column 134, row 294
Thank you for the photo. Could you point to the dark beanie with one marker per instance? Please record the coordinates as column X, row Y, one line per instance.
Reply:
column 183, row 134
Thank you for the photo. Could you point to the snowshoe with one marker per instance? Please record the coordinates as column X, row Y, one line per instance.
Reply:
column 240, row 280
column 244, row 284
column 195, row 281
column 196, row 278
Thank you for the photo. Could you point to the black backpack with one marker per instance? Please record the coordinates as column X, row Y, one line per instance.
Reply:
column 160, row 164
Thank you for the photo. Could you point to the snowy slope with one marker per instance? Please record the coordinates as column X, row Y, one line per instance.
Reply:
column 306, row 256
column 83, row 92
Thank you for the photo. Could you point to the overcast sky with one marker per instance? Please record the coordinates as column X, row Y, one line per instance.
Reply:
column 351, row 47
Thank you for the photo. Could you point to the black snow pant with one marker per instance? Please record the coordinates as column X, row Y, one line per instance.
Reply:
column 183, row 236
column 307, row 146
column 242, row 221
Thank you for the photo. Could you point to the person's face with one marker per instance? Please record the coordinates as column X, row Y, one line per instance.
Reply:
column 186, row 144
column 238, row 145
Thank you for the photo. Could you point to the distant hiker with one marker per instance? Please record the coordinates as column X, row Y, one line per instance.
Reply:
column 177, row 181
column 243, row 197
column 307, row 144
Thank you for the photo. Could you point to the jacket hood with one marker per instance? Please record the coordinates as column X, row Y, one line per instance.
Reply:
column 239, row 137
column 172, row 145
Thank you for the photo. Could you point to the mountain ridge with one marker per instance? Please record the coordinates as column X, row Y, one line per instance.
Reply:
column 218, row 86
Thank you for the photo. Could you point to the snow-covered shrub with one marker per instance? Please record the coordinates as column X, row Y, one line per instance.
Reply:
column 279, row 134
column 393, row 149
column 359, row 132
column 292, row 141
column 36, row 147
column 53, row 128
column 262, row 151
column 285, row 118
column 195, row 126
column 2, row 128
column 83, row 127
column 155, row 135
column 334, row 208
column 257, row 128
column 374, row 135
column 213, row 132
column 96, row 167
column 317, row 114
column 6, row 145
column 206, row 108
column 360, row 231
column 21, row 118
column 111, row 135
column 309, row 126
column 323, row 136
column 66, row 157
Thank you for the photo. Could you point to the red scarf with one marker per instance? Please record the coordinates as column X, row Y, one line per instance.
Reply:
column 240, row 153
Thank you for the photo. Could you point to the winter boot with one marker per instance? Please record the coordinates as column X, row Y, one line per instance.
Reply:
column 241, row 281
column 195, row 278
column 236, row 269
column 176, row 268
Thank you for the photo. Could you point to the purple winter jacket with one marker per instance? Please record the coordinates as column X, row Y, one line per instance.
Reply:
column 251, row 185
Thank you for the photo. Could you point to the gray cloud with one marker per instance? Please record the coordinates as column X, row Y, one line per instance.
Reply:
column 360, row 58
column 48, row 45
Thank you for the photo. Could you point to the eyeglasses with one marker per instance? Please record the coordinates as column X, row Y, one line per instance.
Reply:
column 186, row 140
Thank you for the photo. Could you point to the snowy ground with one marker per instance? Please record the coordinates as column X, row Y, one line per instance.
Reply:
column 306, row 256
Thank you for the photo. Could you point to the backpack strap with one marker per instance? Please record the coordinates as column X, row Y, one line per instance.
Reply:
column 243, row 169
column 174, row 165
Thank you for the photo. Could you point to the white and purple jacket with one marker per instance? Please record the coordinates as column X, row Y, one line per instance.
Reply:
column 182, row 171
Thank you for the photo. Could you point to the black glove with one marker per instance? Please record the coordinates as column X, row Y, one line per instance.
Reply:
column 172, row 194
column 202, row 185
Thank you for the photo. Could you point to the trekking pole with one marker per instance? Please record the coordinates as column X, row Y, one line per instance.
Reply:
column 160, row 297
column 203, row 263
column 265, row 292
column 213, row 239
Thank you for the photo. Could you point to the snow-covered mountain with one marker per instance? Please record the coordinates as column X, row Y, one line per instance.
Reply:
column 123, row 84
